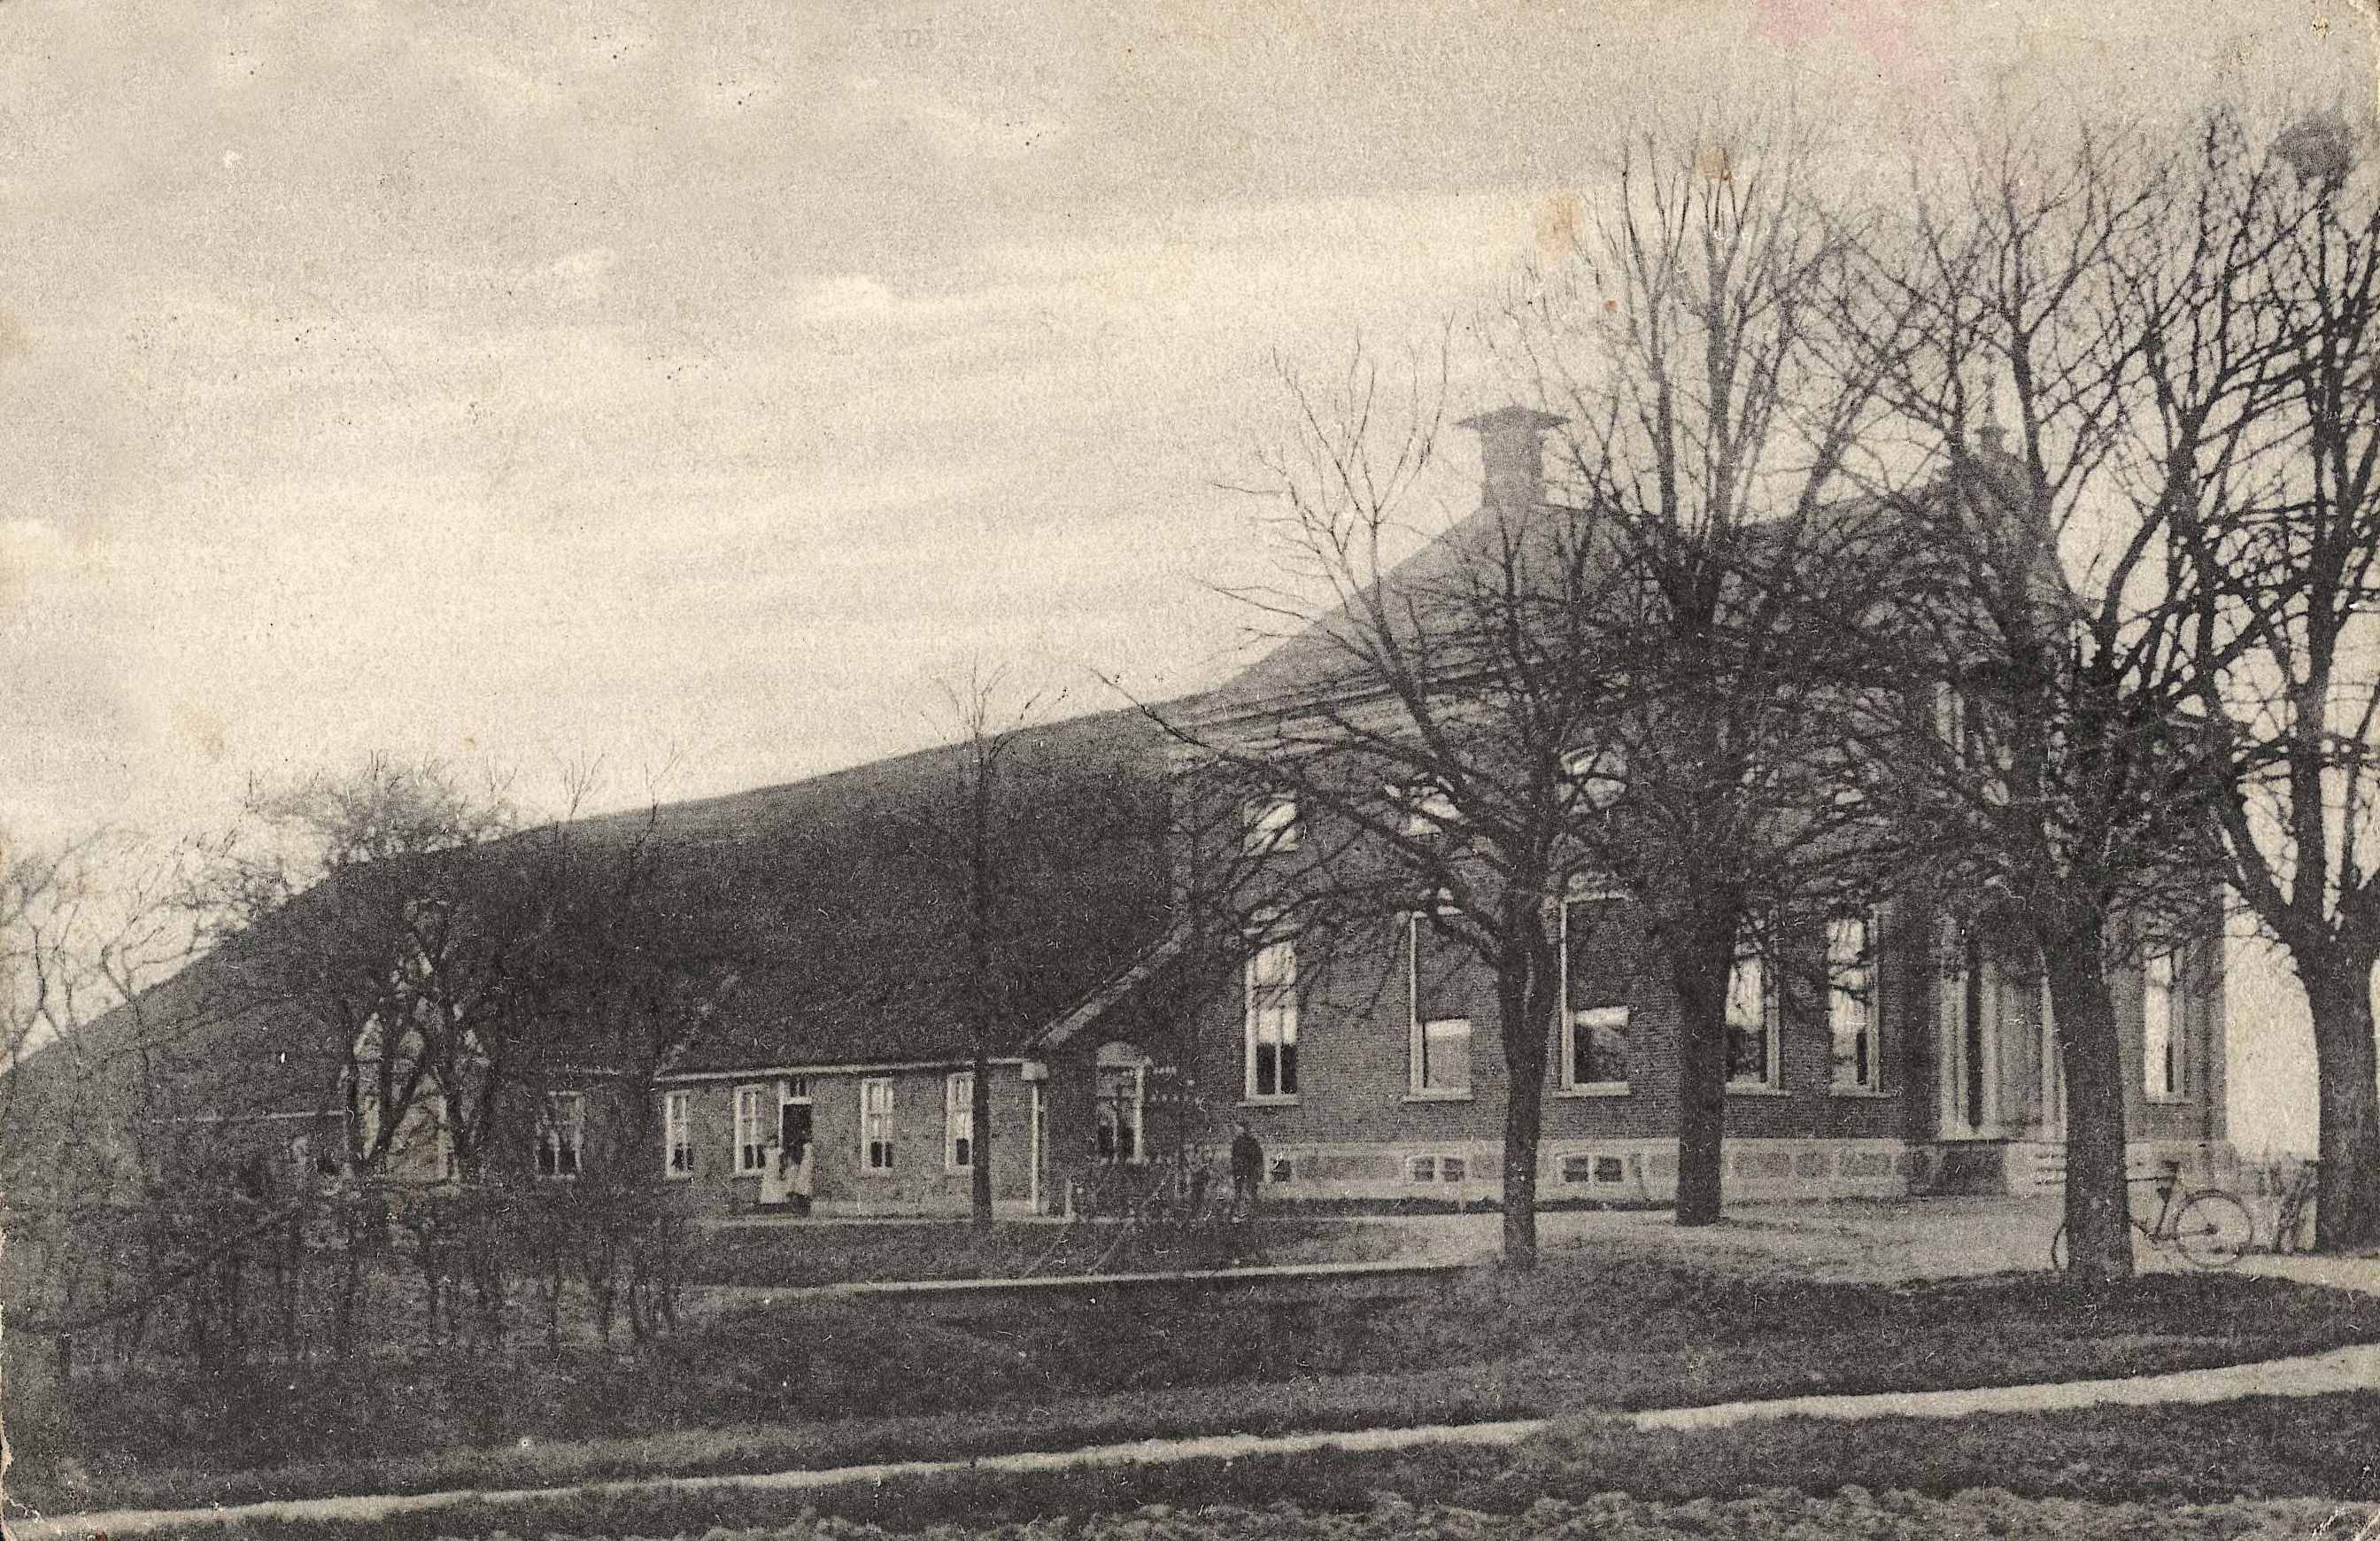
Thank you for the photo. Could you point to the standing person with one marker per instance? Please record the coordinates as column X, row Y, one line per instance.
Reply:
column 1247, row 1169
column 798, row 1186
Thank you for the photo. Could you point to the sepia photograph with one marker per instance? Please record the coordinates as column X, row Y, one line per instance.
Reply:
column 1434, row 768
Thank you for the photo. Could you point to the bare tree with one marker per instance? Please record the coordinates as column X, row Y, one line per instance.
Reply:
column 2058, row 767
column 2292, row 557
column 1712, row 408
column 966, row 835
column 1638, row 687
column 85, row 929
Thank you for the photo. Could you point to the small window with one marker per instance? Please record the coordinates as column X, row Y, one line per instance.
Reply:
column 1751, row 1021
column 2160, row 1045
column 1421, row 1169
column 1577, row 1169
column 1450, row 1169
column 1426, row 809
column 752, row 1128
column 1610, row 1169
column 958, row 1122
column 678, row 1133
column 562, row 1135
column 1851, row 1016
column 876, row 1125
column 1599, row 777
column 1270, row 824
column 1272, row 1019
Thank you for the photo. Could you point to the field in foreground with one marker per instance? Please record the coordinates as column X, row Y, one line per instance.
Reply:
column 2300, row 1468
column 831, row 1383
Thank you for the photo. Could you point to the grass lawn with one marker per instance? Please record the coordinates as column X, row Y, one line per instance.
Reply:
column 836, row 1382
column 2264, row 1467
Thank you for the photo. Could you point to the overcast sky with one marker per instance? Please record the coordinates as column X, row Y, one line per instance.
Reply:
column 690, row 384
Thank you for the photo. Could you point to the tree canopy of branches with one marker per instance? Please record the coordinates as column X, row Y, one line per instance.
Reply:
column 2289, row 609
column 2097, row 286
column 1637, row 685
column 444, row 963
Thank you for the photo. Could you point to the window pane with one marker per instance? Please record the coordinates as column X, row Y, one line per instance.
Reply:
column 1272, row 1019
column 1599, row 1046
column 2159, row 1059
column 1601, row 964
column 1851, row 1000
column 1445, row 1055
column 1749, row 1022
column 1270, row 824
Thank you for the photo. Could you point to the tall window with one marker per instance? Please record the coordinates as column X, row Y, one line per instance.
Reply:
column 876, row 1125
column 562, row 1135
column 1272, row 1019
column 958, row 1122
column 1852, row 1014
column 1123, row 1103
column 753, row 1116
column 1439, row 1016
column 2160, row 1046
column 1594, row 1004
column 678, row 1133
column 1270, row 824
column 1751, row 1021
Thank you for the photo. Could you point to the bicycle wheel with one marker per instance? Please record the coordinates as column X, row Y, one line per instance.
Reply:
column 2213, row 1229
column 2058, row 1251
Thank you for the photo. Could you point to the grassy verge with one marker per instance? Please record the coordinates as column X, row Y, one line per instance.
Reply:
column 837, row 1383
column 2233, row 1469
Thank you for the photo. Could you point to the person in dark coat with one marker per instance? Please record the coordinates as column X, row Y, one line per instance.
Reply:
column 1247, row 1169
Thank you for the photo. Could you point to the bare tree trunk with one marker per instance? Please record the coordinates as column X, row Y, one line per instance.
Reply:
column 1699, row 972
column 2098, row 1226
column 1525, row 998
column 2347, row 1211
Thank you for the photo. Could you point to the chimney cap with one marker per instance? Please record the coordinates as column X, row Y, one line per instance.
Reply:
column 1508, row 418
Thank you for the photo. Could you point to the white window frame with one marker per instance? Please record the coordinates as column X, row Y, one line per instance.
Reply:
column 562, row 1132
column 2162, row 1070
column 1421, row 1169
column 1573, row 1019
column 1269, row 823
column 1855, row 1014
column 1281, row 1001
column 877, row 1147
column 677, row 1135
column 753, row 1131
column 958, row 1120
column 1754, row 964
column 1419, row 1030
column 1598, row 775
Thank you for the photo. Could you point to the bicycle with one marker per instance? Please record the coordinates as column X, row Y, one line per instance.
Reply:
column 2208, row 1226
